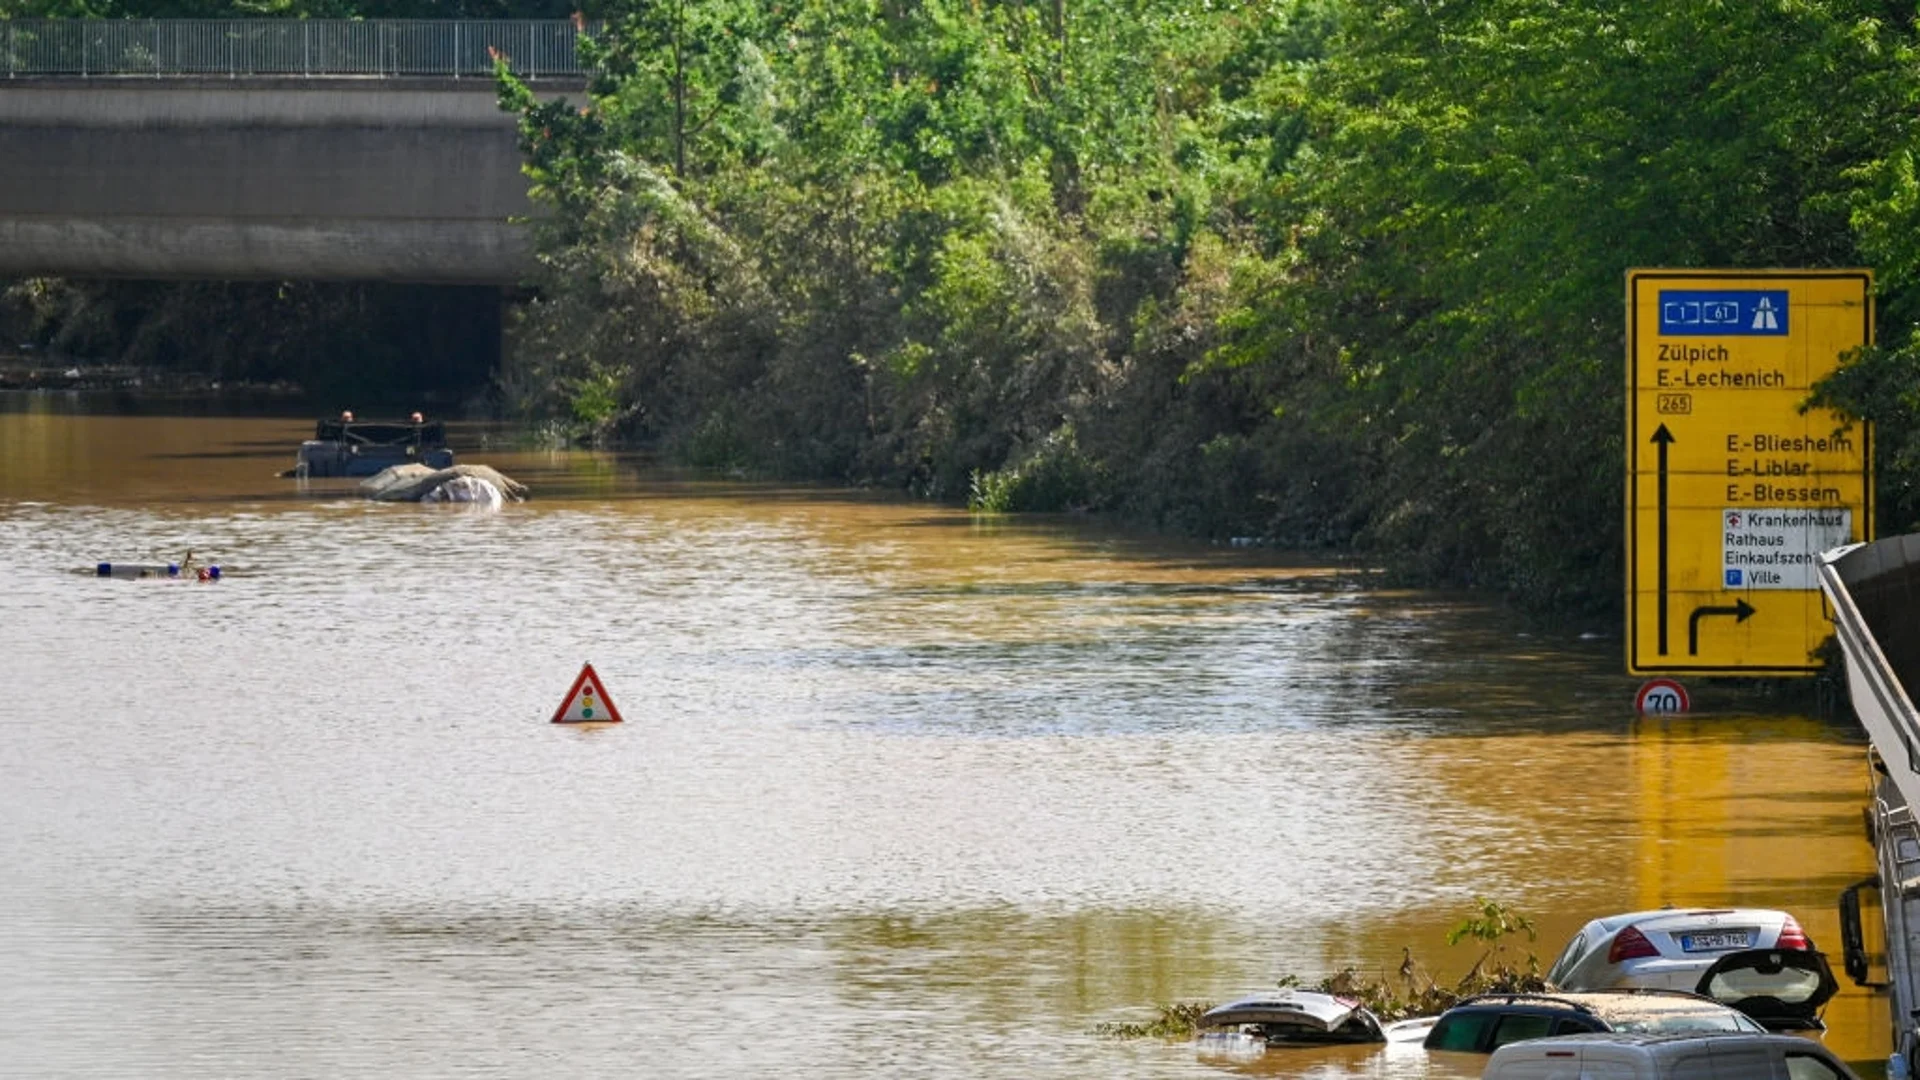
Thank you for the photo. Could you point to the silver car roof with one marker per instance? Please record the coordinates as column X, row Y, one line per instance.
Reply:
column 1661, row 1038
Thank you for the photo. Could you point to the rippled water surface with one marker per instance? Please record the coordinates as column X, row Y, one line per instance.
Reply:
column 900, row 792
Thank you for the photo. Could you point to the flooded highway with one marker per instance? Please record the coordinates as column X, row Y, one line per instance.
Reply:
column 900, row 791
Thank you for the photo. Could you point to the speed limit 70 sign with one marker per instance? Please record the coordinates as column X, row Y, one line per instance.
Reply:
column 1659, row 697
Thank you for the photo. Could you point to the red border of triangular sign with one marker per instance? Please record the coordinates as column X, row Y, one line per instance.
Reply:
column 587, row 674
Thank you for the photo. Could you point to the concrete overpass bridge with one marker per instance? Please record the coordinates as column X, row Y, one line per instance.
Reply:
column 267, row 149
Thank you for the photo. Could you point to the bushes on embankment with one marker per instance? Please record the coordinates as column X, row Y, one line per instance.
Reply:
column 1304, row 271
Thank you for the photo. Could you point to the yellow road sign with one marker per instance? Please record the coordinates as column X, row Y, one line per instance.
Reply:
column 1731, row 491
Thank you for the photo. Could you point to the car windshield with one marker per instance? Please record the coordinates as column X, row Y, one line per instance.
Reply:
column 1678, row 1022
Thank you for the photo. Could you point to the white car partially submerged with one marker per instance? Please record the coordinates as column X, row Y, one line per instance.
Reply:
column 1756, row 960
column 1297, row 1016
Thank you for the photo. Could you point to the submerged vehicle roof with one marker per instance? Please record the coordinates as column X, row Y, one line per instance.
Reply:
column 1303, row 1008
column 382, row 432
column 1622, row 1007
column 1299, row 1016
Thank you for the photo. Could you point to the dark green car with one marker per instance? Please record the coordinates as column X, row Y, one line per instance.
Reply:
column 1484, row 1023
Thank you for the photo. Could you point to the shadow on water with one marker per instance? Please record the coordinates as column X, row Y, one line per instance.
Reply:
column 214, row 403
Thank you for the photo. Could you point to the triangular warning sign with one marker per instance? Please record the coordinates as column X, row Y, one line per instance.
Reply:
column 587, row 702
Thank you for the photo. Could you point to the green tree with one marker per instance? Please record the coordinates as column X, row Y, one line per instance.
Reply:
column 1484, row 172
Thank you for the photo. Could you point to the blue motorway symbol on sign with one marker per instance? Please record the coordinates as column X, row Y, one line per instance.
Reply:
column 1723, row 312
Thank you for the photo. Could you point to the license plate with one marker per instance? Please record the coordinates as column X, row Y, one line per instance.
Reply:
column 1718, row 939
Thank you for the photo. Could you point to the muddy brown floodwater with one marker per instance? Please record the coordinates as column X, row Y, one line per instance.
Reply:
column 900, row 792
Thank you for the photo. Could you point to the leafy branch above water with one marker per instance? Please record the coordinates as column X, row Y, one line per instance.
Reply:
column 1407, row 992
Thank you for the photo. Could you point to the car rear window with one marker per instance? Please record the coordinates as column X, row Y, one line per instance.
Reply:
column 1807, row 1066
column 1516, row 1028
column 1460, row 1031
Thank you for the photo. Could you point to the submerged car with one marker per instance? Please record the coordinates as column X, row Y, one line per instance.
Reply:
column 1668, row 947
column 1486, row 1022
column 349, row 447
column 1297, row 1016
column 1650, row 1056
column 1756, row 960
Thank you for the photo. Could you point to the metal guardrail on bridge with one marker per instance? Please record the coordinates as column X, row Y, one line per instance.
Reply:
column 449, row 48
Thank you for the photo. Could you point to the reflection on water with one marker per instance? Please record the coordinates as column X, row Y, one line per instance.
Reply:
column 901, row 792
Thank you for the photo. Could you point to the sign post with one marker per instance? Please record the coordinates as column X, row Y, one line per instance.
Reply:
column 1732, row 492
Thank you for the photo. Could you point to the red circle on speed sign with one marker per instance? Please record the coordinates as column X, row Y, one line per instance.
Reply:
column 1659, row 697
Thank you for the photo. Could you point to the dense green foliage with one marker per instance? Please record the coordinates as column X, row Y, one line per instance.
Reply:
column 1303, row 270
column 1310, row 271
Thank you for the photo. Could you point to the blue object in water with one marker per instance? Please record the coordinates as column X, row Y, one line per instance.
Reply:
column 145, row 570
column 213, row 572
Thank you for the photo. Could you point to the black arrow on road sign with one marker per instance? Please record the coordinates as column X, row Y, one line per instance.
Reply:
column 1740, row 610
column 1664, row 438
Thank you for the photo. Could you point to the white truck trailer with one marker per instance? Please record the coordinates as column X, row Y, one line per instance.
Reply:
column 1874, row 590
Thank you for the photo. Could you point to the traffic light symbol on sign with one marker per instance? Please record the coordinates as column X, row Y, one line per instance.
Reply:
column 587, row 702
